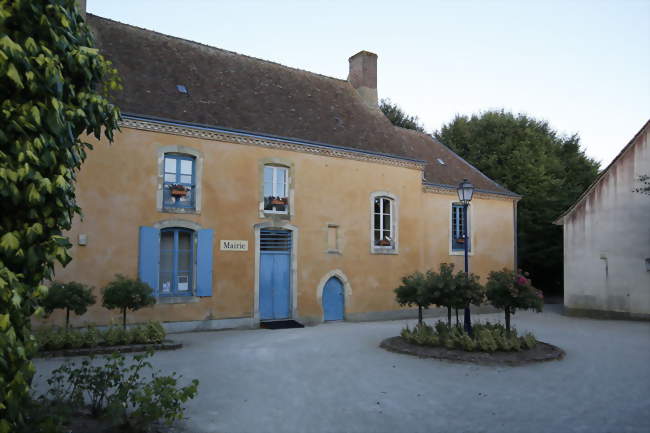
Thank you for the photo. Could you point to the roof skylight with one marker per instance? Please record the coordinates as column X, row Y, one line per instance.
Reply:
column 181, row 88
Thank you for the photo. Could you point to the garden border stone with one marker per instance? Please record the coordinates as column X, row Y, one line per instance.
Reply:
column 543, row 352
column 106, row 350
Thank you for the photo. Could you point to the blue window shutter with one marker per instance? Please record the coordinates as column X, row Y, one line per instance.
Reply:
column 149, row 254
column 204, row 262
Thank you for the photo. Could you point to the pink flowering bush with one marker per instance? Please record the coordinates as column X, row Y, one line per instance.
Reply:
column 510, row 291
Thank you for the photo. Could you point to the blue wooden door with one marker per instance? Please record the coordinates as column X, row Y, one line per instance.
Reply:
column 275, row 274
column 333, row 299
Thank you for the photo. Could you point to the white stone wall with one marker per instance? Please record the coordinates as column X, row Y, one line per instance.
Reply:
column 607, row 240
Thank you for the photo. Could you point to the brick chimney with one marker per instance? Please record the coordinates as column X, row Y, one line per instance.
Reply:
column 363, row 76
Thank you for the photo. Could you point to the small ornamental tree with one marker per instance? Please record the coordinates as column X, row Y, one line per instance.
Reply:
column 509, row 290
column 127, row 294
column 468, row 291
column 69, row 296
column 414, row 291
column 443, row 288
column 53, row 92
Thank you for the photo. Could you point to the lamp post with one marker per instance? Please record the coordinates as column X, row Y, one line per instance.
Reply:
column 465, row 191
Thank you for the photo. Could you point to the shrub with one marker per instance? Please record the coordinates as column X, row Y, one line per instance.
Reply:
column 59, row 338
column 54, row 88
column 120, row 391
column 414, row 291
column 486, row 337
column 510, row 291
column 91, row 337
column 127, row 294
column 70, row 296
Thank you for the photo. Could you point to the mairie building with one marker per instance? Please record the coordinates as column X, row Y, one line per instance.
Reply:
column 244, row 191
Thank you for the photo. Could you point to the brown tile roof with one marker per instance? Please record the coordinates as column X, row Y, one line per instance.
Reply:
column 235, row 91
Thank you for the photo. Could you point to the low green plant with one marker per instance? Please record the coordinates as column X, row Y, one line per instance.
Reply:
column 55, row 338
column 486, row 337
column 118, row 390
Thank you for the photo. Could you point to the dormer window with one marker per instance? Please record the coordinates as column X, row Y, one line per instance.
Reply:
column 276, row 189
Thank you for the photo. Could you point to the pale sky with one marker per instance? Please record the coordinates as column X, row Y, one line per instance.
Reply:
column 584, row 66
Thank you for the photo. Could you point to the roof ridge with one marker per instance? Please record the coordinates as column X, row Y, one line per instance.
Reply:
column 217, row 48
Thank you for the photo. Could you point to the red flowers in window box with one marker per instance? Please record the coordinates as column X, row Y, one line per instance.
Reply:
column 178, row 190
column 279, row 201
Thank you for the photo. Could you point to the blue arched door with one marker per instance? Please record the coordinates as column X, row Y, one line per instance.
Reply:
column 333, row 299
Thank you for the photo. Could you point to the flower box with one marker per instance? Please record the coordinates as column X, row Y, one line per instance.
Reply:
column 279, row 201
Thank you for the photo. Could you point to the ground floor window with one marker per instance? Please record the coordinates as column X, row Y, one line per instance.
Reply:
column 176, row 261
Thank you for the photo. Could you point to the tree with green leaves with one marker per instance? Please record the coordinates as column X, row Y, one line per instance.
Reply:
column 469, row 291
column 414, row 291
column 528, row 157
column 54, row 88
column 127, row 294
column 398, row 117
column 442, row 286
column 509, row 291
column 71, row 296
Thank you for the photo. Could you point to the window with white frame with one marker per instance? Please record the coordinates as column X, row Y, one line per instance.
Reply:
column 457, row 228
column 276, row 189
column 384, row 223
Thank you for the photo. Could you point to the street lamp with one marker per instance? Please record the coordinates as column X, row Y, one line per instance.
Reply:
column 465, row 192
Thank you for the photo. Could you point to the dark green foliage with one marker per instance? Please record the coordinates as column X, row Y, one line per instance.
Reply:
column 127, row 294
column 486, row 337
column 53, row 90
column 509, row 291
column 528, row 157
column 454, row 290
column 70, row 296
column 414, row 291
column 118, row 390
column 644, row 179
column 53, row 338
column 398, row 117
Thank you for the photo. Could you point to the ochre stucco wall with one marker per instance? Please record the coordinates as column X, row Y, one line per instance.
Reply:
column 117, row 192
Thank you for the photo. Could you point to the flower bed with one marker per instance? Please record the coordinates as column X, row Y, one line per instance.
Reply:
column 486, row 337
column 54, row 339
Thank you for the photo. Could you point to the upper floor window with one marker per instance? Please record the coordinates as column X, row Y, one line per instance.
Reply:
column 179, row 181
column 276, row 189
column 176, row 262
column 384, row 223
column 458, row 238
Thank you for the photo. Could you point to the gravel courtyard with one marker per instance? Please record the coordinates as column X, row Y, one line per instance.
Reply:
column 334, row 378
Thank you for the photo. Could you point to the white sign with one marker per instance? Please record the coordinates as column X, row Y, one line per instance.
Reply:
column 234, row 245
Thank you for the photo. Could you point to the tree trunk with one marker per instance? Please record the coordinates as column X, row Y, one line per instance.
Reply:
column 507, row 310
column 449, row 316
column 420, row 314
column 67, row 318
column 457, row 322
column 124, row 318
